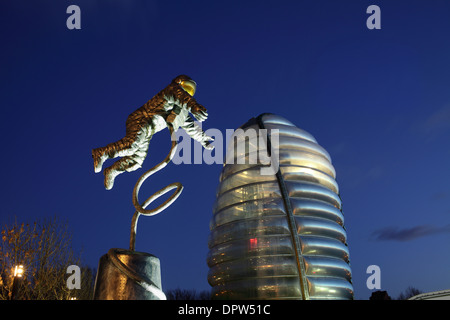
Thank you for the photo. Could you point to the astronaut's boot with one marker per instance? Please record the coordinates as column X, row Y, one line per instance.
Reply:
column 99, row 159
column 128, row 164
column 110, row 174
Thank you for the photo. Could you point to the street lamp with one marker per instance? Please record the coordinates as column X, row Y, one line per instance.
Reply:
column 18, row 271
column 18, row 276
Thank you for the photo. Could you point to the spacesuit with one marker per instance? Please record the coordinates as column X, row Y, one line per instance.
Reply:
column 169, row 108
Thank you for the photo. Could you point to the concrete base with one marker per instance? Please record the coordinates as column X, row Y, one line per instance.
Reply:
column 128, row 275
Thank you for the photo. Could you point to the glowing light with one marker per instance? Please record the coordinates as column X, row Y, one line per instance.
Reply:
column 18, row 271
column 253, row 243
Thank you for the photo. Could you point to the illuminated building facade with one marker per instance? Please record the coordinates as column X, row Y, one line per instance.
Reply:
column 278, row 235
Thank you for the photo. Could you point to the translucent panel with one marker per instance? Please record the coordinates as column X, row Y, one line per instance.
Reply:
column 247, row 193
column 326, row 267
column 277, row 120
column 303, row 190
column 250, row 158
column 324, row 246
column 301, row 173
column 242, row 178
column 294, row 143
column 316, row 208
column 259, row 289
column 241, row 143
column 322, row 288
column 251, row 247
column 321, row 227
column 248, row 210
column 261, row 267
column 306, row 159
column 245, row 229
column 290, row 131
column 232, row 169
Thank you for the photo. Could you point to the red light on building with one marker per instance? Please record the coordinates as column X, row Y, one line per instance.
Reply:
column 253, row 243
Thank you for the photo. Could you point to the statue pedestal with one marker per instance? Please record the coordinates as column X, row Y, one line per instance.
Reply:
column 128, row 275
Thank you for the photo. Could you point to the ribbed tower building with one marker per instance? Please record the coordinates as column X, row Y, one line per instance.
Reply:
column 279, row 234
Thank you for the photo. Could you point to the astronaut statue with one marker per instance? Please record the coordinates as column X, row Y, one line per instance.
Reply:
column 128, row 274
column 169, row 108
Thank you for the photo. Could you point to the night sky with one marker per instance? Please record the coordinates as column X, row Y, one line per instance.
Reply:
column 377, row 100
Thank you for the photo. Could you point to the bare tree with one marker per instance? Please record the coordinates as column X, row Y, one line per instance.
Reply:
column 408, row 293
column 44, row 249
column 183, row 294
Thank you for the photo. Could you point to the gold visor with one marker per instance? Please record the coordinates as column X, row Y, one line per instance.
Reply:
column 189, row 86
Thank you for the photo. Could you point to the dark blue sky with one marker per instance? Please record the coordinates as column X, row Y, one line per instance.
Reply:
column 377, row 100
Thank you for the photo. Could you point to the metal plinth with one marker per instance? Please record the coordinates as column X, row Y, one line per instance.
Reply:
column 128, row 275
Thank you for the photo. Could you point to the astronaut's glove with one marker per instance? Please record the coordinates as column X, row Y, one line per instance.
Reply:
column 199, row 112
column 206, row 143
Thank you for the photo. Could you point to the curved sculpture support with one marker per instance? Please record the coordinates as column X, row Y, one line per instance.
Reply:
column 140, row 209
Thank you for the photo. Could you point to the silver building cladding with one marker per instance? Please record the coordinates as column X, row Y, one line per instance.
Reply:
column 279, row 235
